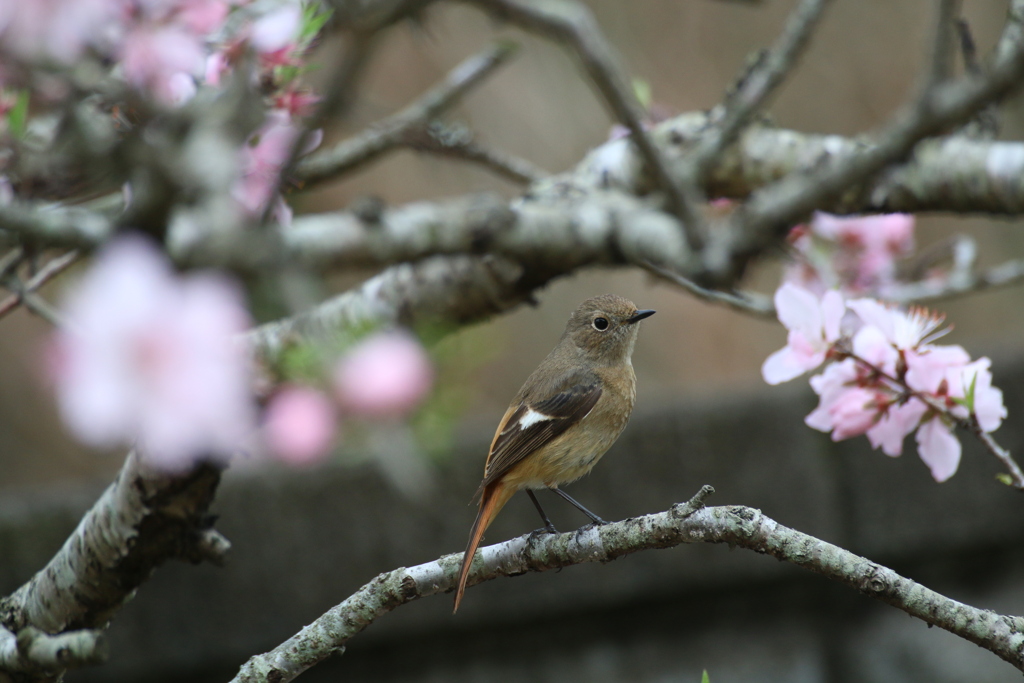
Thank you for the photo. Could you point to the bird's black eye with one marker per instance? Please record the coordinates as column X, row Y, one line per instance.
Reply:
column 601, row 324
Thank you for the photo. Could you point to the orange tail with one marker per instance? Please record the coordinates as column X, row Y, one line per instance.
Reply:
column 492, row 499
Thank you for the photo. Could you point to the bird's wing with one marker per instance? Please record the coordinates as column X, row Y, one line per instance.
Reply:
column 532, row 424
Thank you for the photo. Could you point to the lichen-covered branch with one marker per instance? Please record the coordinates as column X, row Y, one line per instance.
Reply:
column 142, row 520
column 570, row 22
column 37, row 654
column 941, row 106
column 439, row 291
column 684, row 523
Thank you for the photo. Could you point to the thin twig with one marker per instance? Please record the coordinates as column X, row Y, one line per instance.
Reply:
column 986, row 123
column 572, row 23
column 737, row 526
column 24, row 292
column 1003, row 275
column 943, row 50
column 746, row 302
column 457, row 142
column 758, row 85
column 11, row 261
column 388, row 134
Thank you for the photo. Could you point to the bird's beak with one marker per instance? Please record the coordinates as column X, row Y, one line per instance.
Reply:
column 638, row 316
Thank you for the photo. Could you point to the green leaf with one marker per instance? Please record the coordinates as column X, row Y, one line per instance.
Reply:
column 643, row 92
column 1004, row 478
column 704, row 677
column 969, row 399
column 17, row 117
column 313, row 19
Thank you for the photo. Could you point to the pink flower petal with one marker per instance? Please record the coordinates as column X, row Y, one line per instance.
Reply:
column 786, row 364
column 939, row 449
column 852, row 413
column 928, row 366
column 276, row 30
column 895, row 425
column 797, row 308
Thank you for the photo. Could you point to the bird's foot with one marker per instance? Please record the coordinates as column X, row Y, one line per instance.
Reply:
column 546, row 529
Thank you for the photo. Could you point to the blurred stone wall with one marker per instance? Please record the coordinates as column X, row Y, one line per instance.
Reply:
column 303, row 541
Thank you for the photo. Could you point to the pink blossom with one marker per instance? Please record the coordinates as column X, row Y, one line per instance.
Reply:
column 54, row 29
column 262, row 161
column 387, row 374
column 938, row 448
column 853, row 412
column 894, row 425
column 845, row 408
column 217, row 65
column 202, row 17
column 904, row 329
column 299, row 425
column 296, row 102
column 277, row 30
column 153, row 56
column 988, row 400
column 866, row 247
column 929, row 365
column 152, row 357
column 871, row 345
column 813, row 326
column 892, row 233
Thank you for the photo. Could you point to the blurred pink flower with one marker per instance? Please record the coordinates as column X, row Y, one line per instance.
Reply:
column 387, row 374
column 153, row 357
column 939, row 449
column 277, row 30
column 871, row 345
column 152, row 57
column 929, row 365
column 300, row 425
column 813, row 326
column 55, row 29
column 867, row 247
column 217, row 65
column 202, row 16
column 296, row 102
column 263, row 160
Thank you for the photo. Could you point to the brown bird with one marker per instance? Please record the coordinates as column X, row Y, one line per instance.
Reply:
column 567, row 415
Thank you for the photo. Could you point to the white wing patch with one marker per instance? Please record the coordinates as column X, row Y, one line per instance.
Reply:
column 531, row 418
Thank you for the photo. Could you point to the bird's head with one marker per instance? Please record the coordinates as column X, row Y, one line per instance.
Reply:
column 604, row 328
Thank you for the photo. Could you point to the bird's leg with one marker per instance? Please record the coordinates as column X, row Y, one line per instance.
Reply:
column 593, row 518
column 548, row 526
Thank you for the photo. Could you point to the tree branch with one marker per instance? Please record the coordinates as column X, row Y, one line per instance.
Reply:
column 684, row 523
column 142, row 520
column 940, row 107
column 570, row 22
column 758, row 85
column 388, row 134
column 40, row 655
